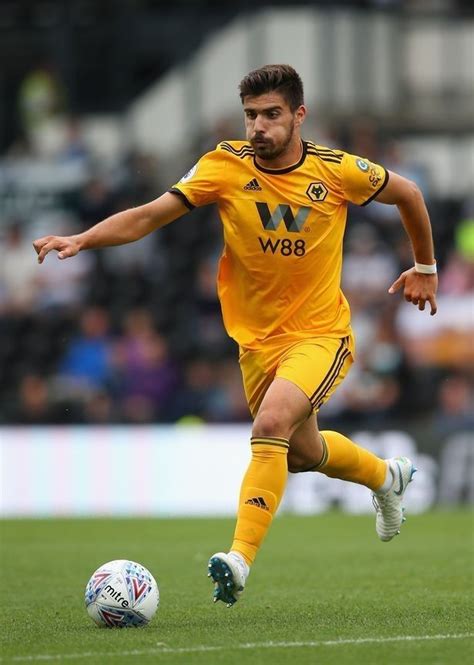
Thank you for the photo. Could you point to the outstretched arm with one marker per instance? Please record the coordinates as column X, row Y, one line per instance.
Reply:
column 119, row 229
column 420, row 282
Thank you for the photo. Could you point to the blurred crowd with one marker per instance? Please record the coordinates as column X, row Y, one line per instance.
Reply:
column 133, row 334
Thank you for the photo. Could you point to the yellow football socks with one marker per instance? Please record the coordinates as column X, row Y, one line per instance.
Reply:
column 260, row 495
column 344, row 459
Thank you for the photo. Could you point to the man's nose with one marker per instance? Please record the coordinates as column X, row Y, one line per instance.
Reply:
column 259, row 125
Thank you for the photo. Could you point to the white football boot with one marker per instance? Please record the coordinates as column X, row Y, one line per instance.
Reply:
column 229, row 573
column 389, row 504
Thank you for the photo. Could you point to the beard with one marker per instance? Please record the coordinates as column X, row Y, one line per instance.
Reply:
column 267, row 149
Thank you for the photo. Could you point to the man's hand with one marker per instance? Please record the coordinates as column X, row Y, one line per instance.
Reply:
column 66, row 246
column 119, row 229
column 417, row 288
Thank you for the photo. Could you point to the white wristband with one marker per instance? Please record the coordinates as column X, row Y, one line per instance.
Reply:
column 426, row 269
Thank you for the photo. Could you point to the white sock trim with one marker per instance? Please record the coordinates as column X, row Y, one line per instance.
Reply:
column 388, row 482
column 237, row 556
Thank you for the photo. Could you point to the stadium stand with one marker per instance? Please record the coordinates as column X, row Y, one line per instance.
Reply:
column 82, row 311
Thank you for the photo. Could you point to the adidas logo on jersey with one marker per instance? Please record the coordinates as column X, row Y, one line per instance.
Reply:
column 253, row 186
column 257, row 501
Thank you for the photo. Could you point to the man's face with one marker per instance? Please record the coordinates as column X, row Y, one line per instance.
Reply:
column 270, row 124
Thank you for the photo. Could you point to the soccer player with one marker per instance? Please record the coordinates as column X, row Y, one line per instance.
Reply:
column 283, row 205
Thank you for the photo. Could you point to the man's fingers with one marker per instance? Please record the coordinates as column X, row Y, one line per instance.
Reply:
column 48, row 247
column 42, row 247
column 421, row 302
column 397, row 284
column 65, row 253
column 45, row 249
column 416, row 291
column 38, row 244
column 434, row 306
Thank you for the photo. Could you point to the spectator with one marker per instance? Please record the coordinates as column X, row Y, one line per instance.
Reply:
column 365, row 258
column 199, row 391
column 211, row 337
column 74, row 149
column 34, row 406
column 372, row 388
column 19, row 282
column 99, row 409
column 63, row 285
column 85, row 366
column 457, row 277
column 41, row 96
column 228, row 403
column 94, row 201
column 139, row 176
column 145, row 373
column 455, row 408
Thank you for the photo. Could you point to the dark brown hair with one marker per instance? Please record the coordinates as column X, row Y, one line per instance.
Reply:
column 279, row 78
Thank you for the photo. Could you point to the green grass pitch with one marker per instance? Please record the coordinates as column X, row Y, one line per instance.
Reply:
column 324, row 590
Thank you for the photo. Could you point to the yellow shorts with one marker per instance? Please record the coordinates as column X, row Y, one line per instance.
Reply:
column 316, row 365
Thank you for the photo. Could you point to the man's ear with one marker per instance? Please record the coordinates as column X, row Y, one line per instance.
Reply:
column 300, row 115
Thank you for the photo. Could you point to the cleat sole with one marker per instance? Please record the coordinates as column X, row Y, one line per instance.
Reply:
column 223, row 577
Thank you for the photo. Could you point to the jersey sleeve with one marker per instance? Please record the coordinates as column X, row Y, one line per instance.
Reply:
column 203, row 183
column 361, row 180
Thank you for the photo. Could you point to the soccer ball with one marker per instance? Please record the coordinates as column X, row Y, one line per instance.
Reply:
column 122, row 593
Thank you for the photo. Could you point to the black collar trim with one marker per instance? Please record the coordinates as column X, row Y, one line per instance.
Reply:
column 288, row 168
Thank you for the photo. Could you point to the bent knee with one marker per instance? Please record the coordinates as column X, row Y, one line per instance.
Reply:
column 293, row 469
column 301, row 468
column 297, row 464
column 271, row 423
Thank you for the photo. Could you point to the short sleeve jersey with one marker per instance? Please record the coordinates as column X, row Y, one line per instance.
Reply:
column 280, row 269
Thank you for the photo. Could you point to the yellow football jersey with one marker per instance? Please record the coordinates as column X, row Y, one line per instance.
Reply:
column 280, row 270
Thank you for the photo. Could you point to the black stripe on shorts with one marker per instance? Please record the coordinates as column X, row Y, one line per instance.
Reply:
column 331, row 375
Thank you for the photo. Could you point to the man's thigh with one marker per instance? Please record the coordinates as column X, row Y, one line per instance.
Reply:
column 315, row 365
